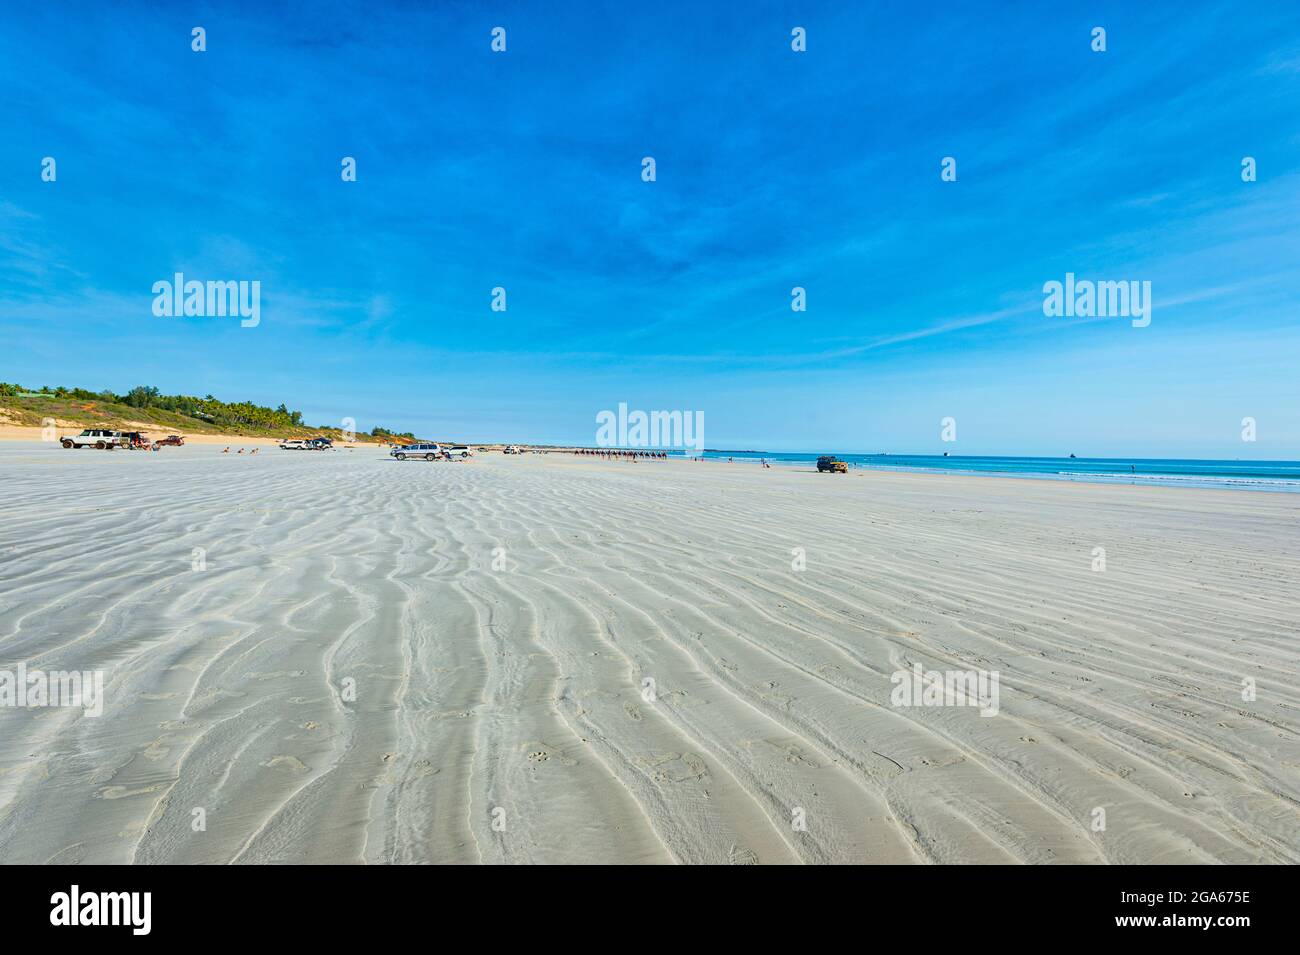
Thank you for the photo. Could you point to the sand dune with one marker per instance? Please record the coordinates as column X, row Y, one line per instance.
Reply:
column 500, row 621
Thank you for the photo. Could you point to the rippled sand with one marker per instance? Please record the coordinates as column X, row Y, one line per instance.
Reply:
column 378, row 661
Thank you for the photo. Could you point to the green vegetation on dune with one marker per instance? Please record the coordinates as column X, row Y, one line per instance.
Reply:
column 146, row 405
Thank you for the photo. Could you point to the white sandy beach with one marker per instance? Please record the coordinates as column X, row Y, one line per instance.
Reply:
column 498, row 619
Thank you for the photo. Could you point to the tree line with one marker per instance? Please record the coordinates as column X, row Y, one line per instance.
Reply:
column 244, row 414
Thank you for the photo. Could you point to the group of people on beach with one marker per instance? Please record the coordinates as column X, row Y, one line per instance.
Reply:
column 621, row 455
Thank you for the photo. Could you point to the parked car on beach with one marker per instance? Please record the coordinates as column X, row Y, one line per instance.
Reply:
column 429, row 452
column 138, row 441
column 828, row 462
column 175, row 440
column 293, row 444
column 459, row 451
column 510, row 449
column 96, row 438
column 320, row 444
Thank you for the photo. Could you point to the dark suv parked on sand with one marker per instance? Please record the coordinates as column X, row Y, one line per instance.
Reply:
column 828, row 462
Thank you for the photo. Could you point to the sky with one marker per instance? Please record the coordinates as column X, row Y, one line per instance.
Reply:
column 774, row 169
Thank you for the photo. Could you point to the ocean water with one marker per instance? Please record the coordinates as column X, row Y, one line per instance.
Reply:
column 1251, row 475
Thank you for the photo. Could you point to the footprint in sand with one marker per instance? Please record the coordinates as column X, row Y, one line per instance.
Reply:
column 121, row 792
column 292, row 763
column 741, row 855
column 780, row 699
column 539, row 752
column 425, row 768
column 158, row 749
column 795, row 755
column 940, row 762
column 790, row 752
column 677, row 767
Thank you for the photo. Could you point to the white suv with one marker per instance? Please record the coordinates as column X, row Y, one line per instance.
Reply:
column 293, row 444
column 96, row 438
column 430, row 452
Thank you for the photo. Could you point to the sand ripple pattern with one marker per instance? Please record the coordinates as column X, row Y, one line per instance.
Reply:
column 447, row 663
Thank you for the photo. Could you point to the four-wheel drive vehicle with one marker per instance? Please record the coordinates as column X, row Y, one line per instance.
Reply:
column 137, row 440
column 429, row 452
column 172, row 439
column 293, row 444
column 320, row 444
column 828, row 462
column 96, row 438
column 459, row 451
column 510, row 449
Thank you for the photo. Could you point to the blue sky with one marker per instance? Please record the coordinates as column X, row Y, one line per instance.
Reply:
column 775, row 169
